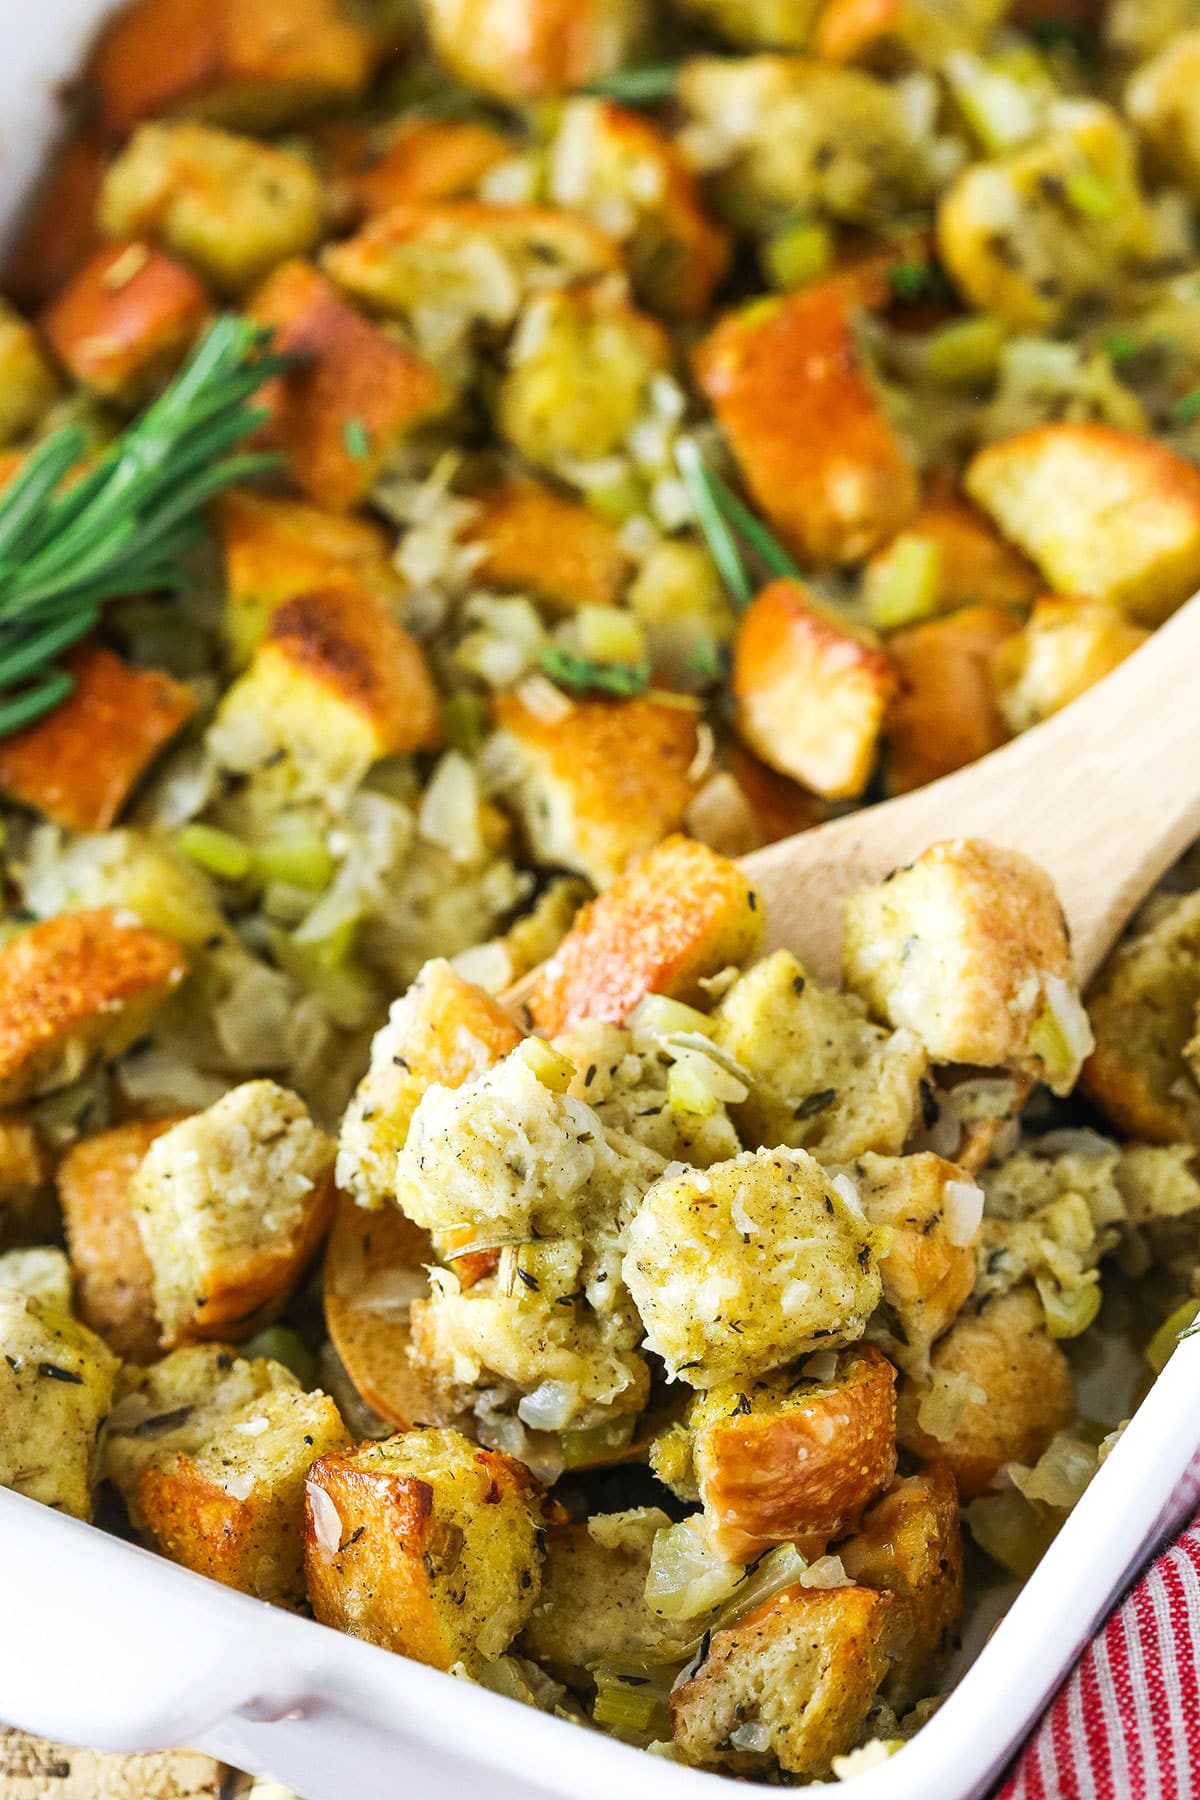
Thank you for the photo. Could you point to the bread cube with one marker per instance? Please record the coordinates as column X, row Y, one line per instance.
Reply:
column 230, row 206
column 41, row 1272
column 741, row 1268
column 1000, row 1389
column 805, row 1667
column 1020, row 236
column 968, row 948
column 931, row 1211
column 910, row 1546
column 882, row 30
column 680, row 914
column 758, row 24
column 231, row 1204
column 75, row 988
column 580, row 366
column 335, row 684
column 809, row 430
column 425, row 1544
column 125, row 320
column 1064, row 648
column 522, row 50
column 811, row 690
column 353, row 396
column 974, row 565
column 1129, row 530
column 58, row 230
column 536, row 541
column 134, row 872
column 1137, row 28
column 1161, row 100
column 233, row 1508
column 113, row 1277
column 80, row 763
column 28, row 385
column 27, row 1211
column 56, row 1387
column 944, row 713
column 592, row 1607
column 822, row 1077
column 420, row 161
column 602, row 785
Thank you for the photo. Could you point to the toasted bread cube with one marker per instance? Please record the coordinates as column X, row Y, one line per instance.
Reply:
column 823, row 1077
column 881, row 30
column 810, row 433
column 1134, row 29
column 335, row 684
column 806, row 1666
column 1142, row 1006
column 444, row 1030
column 536, row 541
column 932, row 1210
column 56, row 1387
column 231, row 1204
column 135, row 872
column 28, row 385
column 339, row 415
column 113, row 1277
column 80, row 763
column 600, row 786
column 743, row 1267
column 627, row 175
column 944, row 713
column 1124, row 525
column 59, row 229
column 974, row 565
column 968, row 948
column 41, row 1272
column 910, row 1545
column 422, row 162
column 811, row 691
column 522, row 50
column 425, row 1544
column 1163, row 101
column 1065, row 647
column 795, row 1458
column 27, row 1210
column 257, row 64
column 580, row 366
column 1001, row 1387
column 592, row 1607
column 680, row 914
column 758, row 24
column 228, row 205
column 1017, row 244
column 125, row 320
column 233, row 1508
column 77, row 987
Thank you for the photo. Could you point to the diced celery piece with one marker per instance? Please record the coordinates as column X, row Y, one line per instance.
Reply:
column 619, row 500
column 906, row 585
column 465, row 717
column 299, row 862
column 1068, row 1315
column 1000, row 111
column 797, row 255
column 552, row 1069
column 217, row 852
column 1090, row 195
column 965, row 351
column 631, row 1698
column 598, row 1444
column 1161, row 1347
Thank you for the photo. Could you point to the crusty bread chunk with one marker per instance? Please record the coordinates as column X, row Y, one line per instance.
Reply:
column 910, row 1546
column 740, row 1269
column 1163, row 101
column 28, row 384
column 678, row 915
column 231, row 1205
column 943, row 713
column 133, row 872
column 931, row 1211
column 533, row 540
column 522, row 50
column 125, row 320
column 967, row 947
column 1000, row 1389
column 804, row 1668
column 974, row 565
column 56, row 1387
column 1124, row 522
column 425, row 1544
column 76, row 987
column 1064, row 648
column 415, row 159
column 592, row 1607
column 823, row 1077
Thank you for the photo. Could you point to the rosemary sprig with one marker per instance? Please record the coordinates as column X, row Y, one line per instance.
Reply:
column 126, row 525
column 637, row 87
column 724, row 518
column 584, row 674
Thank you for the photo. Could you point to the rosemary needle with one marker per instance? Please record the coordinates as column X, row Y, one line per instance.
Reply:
column 648, row 86
column 721, row 542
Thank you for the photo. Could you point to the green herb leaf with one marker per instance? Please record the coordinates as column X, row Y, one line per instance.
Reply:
column 722, row 545
column 1121, row 347
column 582, row 674
column 915, row 280
column 637, row 87
column 1186, row 410
column 357, row 440
column 1052, row 34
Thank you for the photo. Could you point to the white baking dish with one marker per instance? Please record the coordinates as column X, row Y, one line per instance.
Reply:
column 107, row 1645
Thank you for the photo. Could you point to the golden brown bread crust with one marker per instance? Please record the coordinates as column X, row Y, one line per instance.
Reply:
column 522, row 50
column 910, row 1544
column 944, row 713
column 125, row 319
column 426, row 161
column 60, row 227
column 927, row 1278
column 976, row 566
column 535, row 540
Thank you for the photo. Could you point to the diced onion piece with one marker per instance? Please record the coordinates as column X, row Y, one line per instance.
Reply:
column 550, row 1407
column 797, row 255
column 846, row 1189
column 1061, row 1035
column 871, row 1755
column 657, row 1017
column 688, row 1093
column 610, row 634
column 753, row 1736
column 554, row 1070
column 905, row 585
column 1010, row 1530
column 963, row 1212
column 686, row 1576
column 826, row 1572
column 449, row 815
column 1061, row 1474
column 1069, row 1312
column 327, row 1521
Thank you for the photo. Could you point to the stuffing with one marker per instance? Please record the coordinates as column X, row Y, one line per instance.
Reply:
column 910, row 1546
column 533, row 540
column 134, row 872
column 678, row 599
column 27, row 1213
column 741, row 1268
column 425, row 1544
column 355, row 394
column 592, row 1606
column 1161, row 100
column 335, row 685
column 792, row 1681
column 600, row 786
column 1137, row 28
column 680, row 914
column 28, row 384
column 811, row 690
column 973, row 566
column 1064, row 648
column 944, row 712
column 231, row 1204
column 522, row 50
column 415, row 161
column 1125, row 524
column 1000, row 1389
column 967, row 948
column 758, row 24
column 822, row 1077
column 626, row 1078
column 931, row 1211
column 232, row 1507
column 76, row 988
column 58, row 230
column 807, row 425
column 887, row 30
column 41, row 1273
column 125, row 320
column 56, row 1387
column 1018, row 236
column 113, row 1277
column 797, row 1457
column 228, row 205
column 80, row 763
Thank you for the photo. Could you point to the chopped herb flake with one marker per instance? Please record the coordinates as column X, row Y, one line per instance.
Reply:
column 581, row 673
column 357, row 440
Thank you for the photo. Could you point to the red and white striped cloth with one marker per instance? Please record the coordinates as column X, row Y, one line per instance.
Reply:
column 1126, row 1723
